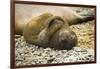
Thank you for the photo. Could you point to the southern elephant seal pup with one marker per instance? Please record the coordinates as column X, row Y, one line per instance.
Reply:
column 52, row 32
column 47, row 26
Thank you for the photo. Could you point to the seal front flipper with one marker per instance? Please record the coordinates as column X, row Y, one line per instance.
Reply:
column 34, row 27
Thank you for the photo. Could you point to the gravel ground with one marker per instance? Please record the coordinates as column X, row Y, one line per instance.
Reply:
column 85, row 34
column 28, row 54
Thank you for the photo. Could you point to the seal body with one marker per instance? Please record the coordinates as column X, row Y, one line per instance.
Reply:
column 50, row 32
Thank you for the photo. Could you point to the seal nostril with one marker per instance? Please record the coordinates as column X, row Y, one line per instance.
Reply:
column 63, row 40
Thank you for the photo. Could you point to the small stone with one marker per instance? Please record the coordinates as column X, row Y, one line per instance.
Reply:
column 47, row 49
column 89, row 55
column 50, row 60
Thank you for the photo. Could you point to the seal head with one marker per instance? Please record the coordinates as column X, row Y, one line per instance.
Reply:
column 67, row 39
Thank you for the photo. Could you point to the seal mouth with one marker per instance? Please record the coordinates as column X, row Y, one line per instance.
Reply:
column 68, row 45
